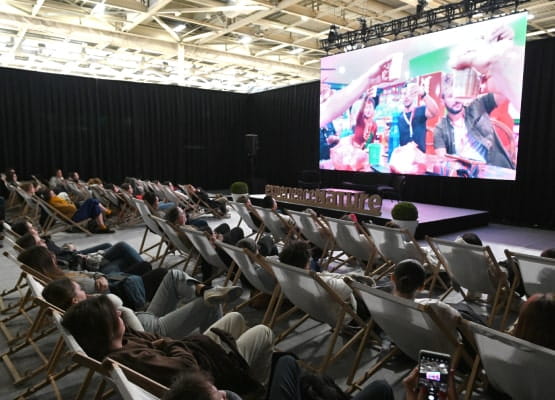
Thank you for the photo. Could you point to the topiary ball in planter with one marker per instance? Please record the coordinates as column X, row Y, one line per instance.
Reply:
column 405, row 214
column 239, row 189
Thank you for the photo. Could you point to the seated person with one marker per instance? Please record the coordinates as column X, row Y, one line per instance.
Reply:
column 408, row 279
column 180, row 305
column 288, row 382
column 536, row 320
column 548, row 253
column 219, row 204
column 296, row 253
column 237, row 358
column 223, row 233
column 131, row 287
column 178, row 217
column 263, row 275
column 65, row 252
column 57, row 182
column 156, row 206
column 91, row 208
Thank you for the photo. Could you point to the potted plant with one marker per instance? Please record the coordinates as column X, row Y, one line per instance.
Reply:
column 239, row 189
column 405, row 214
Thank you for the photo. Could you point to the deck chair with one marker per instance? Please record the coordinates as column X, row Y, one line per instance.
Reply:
column 198, row 203
column 307, row 291
column 208, row 253
column 276, row 224
column 21, row 310
column 248, row 269
column 243, row 211
column 411, row 327
column 398, row 244
column 174, row 240
column 57, row 222
column 128, row 212
column 473, row 267
column 538, row 273
column 40, row 328
column 10, row 298
column 55, row 371
column 356, row 243
column 150, row 227
column 77, row 192
column 30, row 208
column 132, row 385
column 315, row 231
column 521, row 369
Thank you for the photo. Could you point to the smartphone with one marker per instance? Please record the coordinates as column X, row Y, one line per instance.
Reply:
column 433, row 372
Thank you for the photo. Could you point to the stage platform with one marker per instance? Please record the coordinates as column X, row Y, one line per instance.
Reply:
column 433, row 220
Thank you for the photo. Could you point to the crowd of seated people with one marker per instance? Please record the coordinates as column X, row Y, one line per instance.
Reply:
column 157, row 336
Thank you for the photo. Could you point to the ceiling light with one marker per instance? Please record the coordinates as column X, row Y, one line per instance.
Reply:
column 179, row 28
column 245, row 39
column 99, row 9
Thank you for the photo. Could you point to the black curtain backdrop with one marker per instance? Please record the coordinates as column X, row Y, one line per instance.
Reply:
column 113, row 129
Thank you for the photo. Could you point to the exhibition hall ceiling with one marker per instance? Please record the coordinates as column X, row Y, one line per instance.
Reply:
column 241, row 46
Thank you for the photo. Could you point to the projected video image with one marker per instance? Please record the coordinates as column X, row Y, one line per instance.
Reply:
column 446, row 103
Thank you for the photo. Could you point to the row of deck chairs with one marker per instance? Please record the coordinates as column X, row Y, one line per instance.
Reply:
column 53, row 364
column 402, row 320
column 410, row 326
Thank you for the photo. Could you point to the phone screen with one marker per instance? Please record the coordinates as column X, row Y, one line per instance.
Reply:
column 433, row 373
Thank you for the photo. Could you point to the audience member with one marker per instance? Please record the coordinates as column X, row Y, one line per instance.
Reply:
column 180, row 305
column 536, row 321
column 91, row 208
column 288, row 382
column 242, row 367
column 156, row 206
column 57, row 182
column 131, row 287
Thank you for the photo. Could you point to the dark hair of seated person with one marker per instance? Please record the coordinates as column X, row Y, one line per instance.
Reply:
column 408, row 277
column 42, row 260
column 548, row 253
column 93, row 323
column 150, row 198
column 295, row 253
column 26, row 241
column 45, row 194
column 172, row 214
column 268, row 202
column 191, row 386
column 536, row 320
column 21, row 227
column 248, row 243
column 472, row 238
column 60, row 292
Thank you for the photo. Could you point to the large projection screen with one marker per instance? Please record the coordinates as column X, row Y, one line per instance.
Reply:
column 446, row 103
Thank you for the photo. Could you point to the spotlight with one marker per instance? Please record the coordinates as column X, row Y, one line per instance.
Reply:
column 333, row 35
column 420, row 7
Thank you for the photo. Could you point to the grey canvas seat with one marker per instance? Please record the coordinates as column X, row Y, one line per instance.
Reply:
column 410, row 326
column 174, row 240
column 245, row 216
column 275, row 223
column 355, row 242
column 151, row 227
column 521, row 369
column 475, row 269
column 264, row 281
column 538, row 273
column 307, row 291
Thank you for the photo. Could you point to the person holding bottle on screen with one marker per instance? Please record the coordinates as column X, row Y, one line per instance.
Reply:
column 467, row 130
column 412, row 120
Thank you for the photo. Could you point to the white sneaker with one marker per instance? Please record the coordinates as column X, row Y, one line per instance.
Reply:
column 219, row 294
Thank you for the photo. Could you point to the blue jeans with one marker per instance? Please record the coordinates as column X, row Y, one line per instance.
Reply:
column 120, row 257
column 89, row 209
column 285, row 381
column 94, row 249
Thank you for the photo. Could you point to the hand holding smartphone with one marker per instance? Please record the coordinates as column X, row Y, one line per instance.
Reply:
column 433, row 373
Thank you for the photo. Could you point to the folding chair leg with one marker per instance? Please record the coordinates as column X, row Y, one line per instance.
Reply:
column 357, row 385
column 472, row 379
